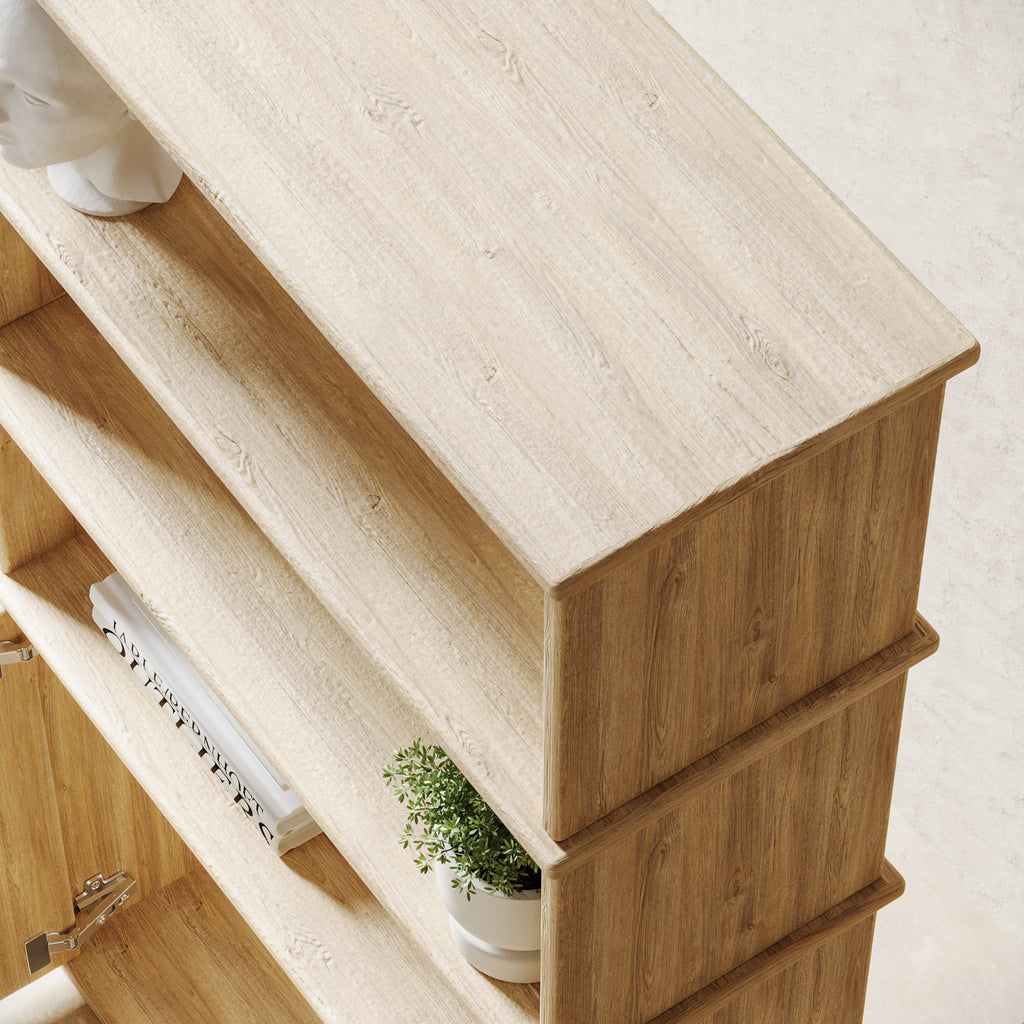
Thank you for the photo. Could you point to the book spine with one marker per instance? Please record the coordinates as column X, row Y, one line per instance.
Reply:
column 112, row 597
column 249, row 802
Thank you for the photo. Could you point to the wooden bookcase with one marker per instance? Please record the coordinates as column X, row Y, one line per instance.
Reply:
column 495, row 376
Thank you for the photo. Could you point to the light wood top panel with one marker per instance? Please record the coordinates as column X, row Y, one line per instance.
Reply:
column 579, row 270
column 177, row 535
column 351, row 960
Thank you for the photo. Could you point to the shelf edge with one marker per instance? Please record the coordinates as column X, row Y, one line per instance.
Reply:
column 782, row 728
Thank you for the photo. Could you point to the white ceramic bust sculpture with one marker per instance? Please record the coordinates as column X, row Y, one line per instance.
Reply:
column 57, row 112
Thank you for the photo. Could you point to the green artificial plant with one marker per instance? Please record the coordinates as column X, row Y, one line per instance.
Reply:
column 449, row 822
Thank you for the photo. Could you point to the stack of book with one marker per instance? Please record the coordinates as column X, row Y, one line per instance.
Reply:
column 219, row 740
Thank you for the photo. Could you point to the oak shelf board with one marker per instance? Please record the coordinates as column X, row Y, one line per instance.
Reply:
column 368, row 523
column 590, row 283
column 351, row 960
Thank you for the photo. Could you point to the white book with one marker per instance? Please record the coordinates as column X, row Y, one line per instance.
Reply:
column 215, row 734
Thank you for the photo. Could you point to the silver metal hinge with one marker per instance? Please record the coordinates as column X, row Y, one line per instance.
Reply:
column 99, row 900
column 13, row 651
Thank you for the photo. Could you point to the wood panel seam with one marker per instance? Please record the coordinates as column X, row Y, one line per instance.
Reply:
column 782, row 728
column 35, row 309
column 698, row 1007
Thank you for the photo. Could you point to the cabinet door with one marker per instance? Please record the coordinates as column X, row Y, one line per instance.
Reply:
column 34, row 869
column 36, row 880
column 69, row 809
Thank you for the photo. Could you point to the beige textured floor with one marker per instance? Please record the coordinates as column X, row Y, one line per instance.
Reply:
column 53, row 999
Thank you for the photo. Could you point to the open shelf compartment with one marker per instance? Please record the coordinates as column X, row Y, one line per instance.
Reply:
column 183, row 955
column 357, row 510
column 322, row 712
column 319, row 707
column 350, row 959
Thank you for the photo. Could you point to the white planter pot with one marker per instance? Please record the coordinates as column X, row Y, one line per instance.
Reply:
column 499, row 935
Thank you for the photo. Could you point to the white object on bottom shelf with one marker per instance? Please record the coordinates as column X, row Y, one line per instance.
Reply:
column 499, row 935
column 158, row 663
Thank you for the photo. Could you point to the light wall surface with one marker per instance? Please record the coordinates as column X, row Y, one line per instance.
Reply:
column 912, row 112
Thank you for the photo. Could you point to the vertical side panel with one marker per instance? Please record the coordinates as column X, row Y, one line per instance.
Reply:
column 816, row 974
column 737, row 866
column 109, row 823
column 683, row 647
column 32, row 518
column 37, row 889
column 25, row 284
column 827, row 986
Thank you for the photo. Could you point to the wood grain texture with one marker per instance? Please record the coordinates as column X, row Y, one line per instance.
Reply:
column 175, row 532
column 754, row 745
column 674, row 653
column 70, row 809
column 148, row 463
column 732, row 870
column 108, row 822
column 826, row 986
column 322, row 712
column 9, row 629
column 32, row 518
column 25, row 284
column 38, row 888
column 815, row 975
column 353, row 962
column 184, row 955
column 360, row 513
column 582, row 274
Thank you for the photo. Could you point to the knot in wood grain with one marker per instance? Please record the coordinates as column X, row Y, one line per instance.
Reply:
column 760, row 344
column 388, row 111
column 501, row 53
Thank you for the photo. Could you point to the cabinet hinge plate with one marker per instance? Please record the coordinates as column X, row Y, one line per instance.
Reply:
column 99, row 899
column 13, row 651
